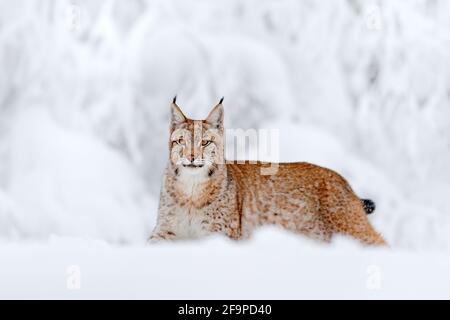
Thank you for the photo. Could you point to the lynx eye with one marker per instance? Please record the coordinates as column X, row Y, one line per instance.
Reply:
column 206, row 143
column 180, row 141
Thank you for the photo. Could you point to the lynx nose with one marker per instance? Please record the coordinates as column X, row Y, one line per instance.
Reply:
column 190, row 157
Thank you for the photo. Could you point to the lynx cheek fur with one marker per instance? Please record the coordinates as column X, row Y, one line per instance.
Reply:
column 202, row 194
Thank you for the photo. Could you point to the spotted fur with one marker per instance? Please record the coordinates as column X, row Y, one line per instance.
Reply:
column 202, row 194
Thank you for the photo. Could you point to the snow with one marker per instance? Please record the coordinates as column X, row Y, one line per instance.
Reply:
column 357, row 86
column 74, row 185
column 274, row 265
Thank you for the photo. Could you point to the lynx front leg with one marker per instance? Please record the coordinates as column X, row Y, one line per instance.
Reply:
column 161, row 235
column 163, row 231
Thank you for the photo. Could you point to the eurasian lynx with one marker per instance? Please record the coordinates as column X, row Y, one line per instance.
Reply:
column 202, row 194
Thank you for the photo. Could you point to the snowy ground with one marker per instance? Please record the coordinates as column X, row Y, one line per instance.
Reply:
column 358, row 86
column 272, row 266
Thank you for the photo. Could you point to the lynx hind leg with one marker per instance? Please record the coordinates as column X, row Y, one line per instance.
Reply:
column 361, row 229
column 352, row 220
column 343, row 213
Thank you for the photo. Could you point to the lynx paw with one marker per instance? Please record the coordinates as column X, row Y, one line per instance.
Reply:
column 160, row 236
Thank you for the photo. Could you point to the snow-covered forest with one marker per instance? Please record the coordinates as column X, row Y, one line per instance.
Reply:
column 362, row 87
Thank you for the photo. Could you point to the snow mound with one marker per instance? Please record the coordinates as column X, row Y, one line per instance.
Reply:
column 70, row 183
column 274, row 265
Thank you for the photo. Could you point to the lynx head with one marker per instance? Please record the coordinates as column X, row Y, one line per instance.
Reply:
column 196, row 146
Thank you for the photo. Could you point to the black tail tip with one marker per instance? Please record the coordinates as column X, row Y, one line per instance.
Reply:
column 369, row 205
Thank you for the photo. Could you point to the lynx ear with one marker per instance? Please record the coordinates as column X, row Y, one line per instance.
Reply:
column 176, row 115
column 215, row 117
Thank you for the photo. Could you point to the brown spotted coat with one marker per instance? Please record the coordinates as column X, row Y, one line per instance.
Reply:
column 202, row 195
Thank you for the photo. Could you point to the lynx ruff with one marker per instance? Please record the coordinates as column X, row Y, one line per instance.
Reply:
column 202, row 194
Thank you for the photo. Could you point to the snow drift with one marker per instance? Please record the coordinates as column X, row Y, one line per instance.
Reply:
column 274, row 265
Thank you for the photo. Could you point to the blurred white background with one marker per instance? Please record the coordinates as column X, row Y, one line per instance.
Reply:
column 362, row 87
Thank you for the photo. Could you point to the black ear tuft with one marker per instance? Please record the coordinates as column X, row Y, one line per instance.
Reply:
column 174, row 99
column 221, row 100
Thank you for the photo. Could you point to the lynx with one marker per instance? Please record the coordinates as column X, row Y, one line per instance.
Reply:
column 202, row 194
